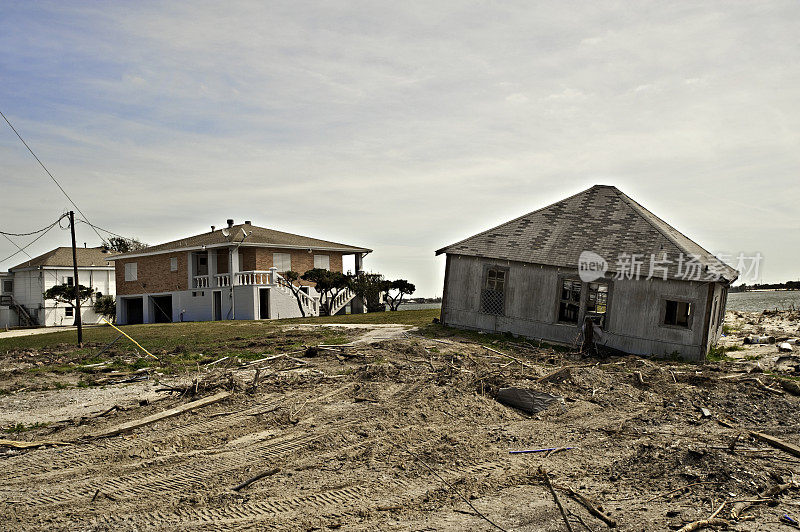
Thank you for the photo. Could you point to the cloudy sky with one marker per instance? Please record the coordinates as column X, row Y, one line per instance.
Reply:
column 401, row 126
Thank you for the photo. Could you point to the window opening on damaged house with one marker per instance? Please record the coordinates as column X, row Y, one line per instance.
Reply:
column 597, row 302
column 493, row 293
column 677, row 313
column 569, row 301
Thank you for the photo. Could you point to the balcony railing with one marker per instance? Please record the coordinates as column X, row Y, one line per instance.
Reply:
column 248, row 278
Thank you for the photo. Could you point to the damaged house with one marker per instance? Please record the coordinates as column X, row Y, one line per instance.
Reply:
column 596, row 257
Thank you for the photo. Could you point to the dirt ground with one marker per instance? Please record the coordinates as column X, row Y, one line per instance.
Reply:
column 403, row 432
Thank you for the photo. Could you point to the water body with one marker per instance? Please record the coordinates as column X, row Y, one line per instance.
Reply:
column 741, row 301
column 760, row 301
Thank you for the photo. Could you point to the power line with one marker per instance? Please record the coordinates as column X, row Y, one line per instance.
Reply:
column 100, row 228
column 22, row 249
column 48, row 173
column 32, row 232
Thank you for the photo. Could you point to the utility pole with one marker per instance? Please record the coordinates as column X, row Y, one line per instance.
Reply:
column 75, row 283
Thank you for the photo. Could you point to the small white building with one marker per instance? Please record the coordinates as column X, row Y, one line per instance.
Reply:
column 22, row 288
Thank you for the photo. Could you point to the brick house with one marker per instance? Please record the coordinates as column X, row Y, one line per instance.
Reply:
column 229, row 273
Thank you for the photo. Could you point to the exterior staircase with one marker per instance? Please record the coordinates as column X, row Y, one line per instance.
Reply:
column 26, row 317
column 342, row 298
column 310, row 304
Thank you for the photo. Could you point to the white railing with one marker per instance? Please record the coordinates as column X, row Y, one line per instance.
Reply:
column 342, row 298
column 253, row 278
column 270, row 278
column 311, row 304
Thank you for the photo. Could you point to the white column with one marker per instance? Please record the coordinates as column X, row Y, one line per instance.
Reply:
column 212, row 268
column 357, row 305
column 234, row 262
column 273, row 275
column 190, row 269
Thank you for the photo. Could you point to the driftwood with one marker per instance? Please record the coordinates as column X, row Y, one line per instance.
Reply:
column 790, row 386
column 556, row 376
column 546, row 477
column 777, row 443
column 15, row 444
column 589, row 506
column 255, row 478
column 125, row 427
column 518, row 361
column 704, row 523
column 676, row 490
column 765, row 496
column 761, row 385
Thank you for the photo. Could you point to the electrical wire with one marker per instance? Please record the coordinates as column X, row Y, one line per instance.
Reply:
column 29, row 244
column 100, row 228
column 49, row 174
column 32, row 232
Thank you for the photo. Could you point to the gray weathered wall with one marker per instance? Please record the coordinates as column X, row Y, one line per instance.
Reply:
column 633, row 322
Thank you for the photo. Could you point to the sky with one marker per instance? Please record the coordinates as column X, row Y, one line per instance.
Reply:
column 401, row 126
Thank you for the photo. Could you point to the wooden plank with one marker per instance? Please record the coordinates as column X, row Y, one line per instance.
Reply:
column 125, row 427
column 777, row 443
column 15, row 444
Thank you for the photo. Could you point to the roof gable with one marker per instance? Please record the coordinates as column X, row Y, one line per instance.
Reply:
column 256, row 236
column 62, row 256
column 601, row 219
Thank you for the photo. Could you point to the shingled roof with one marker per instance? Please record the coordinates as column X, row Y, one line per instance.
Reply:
column 62, row 257
column 601, row 219
column 258, row 236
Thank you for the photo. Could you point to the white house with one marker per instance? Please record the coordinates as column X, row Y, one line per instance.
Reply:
column 22, row 288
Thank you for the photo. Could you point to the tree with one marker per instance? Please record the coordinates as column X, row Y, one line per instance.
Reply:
column 106, row 306
column 328, row 284
column 124, row 245
column 401, row 287
column 370, row 287
column 65, row 293
column 293, row 276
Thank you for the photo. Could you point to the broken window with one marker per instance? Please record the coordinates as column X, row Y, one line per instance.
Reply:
column 569, row 301
column 677, row 313
column 8, row 286
column 597, row 302
column 493, row 293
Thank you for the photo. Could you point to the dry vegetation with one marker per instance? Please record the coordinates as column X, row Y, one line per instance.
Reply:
column 396, row 434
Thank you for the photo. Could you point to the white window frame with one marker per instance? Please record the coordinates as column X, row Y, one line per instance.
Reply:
column 131, row 271
column 173, row 264
column 322, row 261
column 282, row 261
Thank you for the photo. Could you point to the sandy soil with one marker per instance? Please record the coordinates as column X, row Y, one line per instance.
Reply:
column 395, row 434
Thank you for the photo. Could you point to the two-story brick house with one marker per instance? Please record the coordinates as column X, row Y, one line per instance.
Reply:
column 229, row 273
